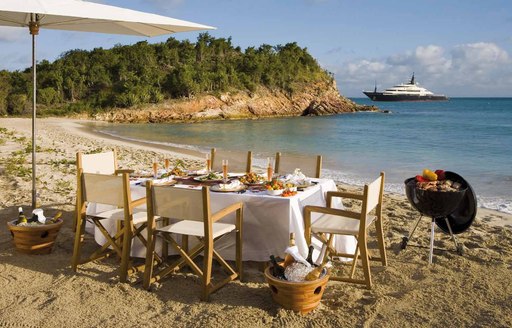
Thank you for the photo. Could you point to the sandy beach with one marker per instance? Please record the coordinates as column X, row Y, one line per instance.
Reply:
column 472, row 290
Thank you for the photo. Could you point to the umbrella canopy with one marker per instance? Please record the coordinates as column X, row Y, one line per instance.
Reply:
column 77, row 15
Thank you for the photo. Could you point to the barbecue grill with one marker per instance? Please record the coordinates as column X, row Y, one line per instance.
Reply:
column 452, row 211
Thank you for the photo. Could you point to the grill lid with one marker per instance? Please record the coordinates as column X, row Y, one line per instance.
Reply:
column 464, row 215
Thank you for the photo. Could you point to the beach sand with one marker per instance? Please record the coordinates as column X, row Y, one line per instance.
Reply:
column 456, row 291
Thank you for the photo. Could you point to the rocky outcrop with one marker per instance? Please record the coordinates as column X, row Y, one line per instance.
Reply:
column 318, row 99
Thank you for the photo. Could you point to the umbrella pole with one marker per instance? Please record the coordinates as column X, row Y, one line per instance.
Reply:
column 34, row 30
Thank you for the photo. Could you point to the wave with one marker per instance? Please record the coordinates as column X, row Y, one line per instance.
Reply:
column 162, row 143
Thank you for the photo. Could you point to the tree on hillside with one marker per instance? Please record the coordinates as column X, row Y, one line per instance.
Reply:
column 129, row 75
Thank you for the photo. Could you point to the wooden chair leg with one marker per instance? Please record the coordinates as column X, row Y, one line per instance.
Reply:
column 125, row 258
column 239, row 263
column 380, row 239
column 165, row 244
column 354, row 262
column 207, row 270
column 150, row 254
column 184, row 243
column 307, row 227
column 365, row 262
column 77, row 247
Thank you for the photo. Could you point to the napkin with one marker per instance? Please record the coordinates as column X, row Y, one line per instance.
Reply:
column 297, row 177
column 159, row 181
column 229, row 186
column 184, row 186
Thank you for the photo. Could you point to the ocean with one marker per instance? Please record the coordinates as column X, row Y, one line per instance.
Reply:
column 469, row 136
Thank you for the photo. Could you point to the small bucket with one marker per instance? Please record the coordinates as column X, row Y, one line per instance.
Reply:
column 36, row 239
column 302, row 297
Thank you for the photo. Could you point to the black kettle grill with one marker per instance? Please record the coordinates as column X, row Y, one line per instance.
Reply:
column 453, row 211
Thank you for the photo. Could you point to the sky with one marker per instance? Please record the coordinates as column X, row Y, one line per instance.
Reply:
column 461, row 48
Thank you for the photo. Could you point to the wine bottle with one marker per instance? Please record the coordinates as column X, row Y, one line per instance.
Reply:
column 34, row 218
column 55, row 218
column 310, row 255
column 277, row 270
column 316, row 272
column 288, row 258
column 21, row 217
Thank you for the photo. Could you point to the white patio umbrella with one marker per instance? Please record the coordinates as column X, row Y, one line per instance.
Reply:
column 77, row 15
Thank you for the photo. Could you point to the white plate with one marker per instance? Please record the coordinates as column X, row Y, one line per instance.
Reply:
column 219, row 189
column 202, row 179
column 275, row 192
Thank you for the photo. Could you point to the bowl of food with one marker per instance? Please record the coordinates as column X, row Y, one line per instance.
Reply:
column 252, row 179
column 290, row 186
column 274, row 187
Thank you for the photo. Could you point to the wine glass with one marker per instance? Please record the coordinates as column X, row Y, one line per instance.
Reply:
column 155, row 168
column 166, row 165
column 270, row 170
column 225, row 170
column 208, row 163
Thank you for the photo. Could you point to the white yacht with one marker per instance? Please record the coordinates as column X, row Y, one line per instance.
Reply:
column 404, row 92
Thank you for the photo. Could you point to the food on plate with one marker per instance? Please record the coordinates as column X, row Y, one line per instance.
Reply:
column 436, row 181
column 252, row 178
column 431, row 176
column 177, row 171
column 288, row 193
column 211, row 176
column 274, row 185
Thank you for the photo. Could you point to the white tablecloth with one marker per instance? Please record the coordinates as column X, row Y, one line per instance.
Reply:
column 267, row 222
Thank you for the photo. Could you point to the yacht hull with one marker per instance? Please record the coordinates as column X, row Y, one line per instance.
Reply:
column 380, row 96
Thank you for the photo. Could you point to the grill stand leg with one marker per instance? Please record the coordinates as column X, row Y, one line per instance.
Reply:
column 458, row 247
column 405, row 240
column 432, row 227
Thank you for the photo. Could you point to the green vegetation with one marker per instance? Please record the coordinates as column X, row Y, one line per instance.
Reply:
column 126, row 76
column 15, row 165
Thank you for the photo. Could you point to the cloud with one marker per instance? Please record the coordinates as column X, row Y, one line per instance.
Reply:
column 473, row 69
column 12, row 34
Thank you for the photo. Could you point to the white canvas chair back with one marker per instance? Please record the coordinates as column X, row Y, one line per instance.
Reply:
column 310, row 166
column 180, row 204
column 374, row 196
column 239, row 161
column 103, row 188
column 101, row 163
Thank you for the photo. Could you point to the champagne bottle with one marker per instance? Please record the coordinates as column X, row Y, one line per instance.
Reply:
column 34, row 218
column 21, row 217
column 277, row 270
column 316, row 272
column 288, row 258
column 310, row 255
column 55, row 218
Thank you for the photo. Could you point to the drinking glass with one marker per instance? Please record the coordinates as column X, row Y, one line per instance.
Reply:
column 270, row 170
column 155, row 168
column 167, row 164
column 225, row 170
column 208, row 163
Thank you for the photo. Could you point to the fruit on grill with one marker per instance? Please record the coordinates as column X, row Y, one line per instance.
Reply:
column 431, row 176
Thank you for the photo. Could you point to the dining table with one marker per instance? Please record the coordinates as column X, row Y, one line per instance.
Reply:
column 268, row 220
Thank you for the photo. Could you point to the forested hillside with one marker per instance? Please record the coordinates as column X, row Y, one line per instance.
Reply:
column 144, row 73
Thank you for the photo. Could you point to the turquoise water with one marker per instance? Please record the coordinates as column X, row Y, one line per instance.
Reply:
column 470, row 136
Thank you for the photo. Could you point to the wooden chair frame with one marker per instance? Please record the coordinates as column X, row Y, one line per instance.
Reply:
column 318, row 169
column 248, row 166
column 361, row 247
column 206, row 244
column 121, row 241
column 79, row 165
